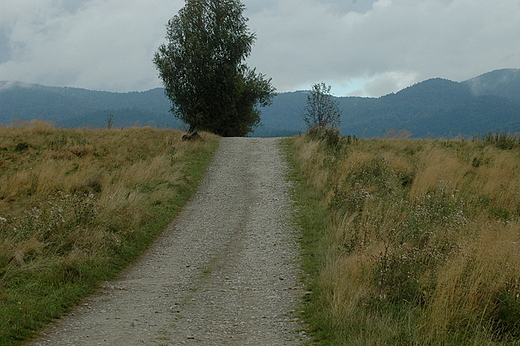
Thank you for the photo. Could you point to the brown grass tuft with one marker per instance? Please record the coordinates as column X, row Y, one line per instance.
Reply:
column 423, row 242
column 76, row 205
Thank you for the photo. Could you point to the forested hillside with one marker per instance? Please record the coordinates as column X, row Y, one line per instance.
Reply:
column 431, row 109
column 74, row 107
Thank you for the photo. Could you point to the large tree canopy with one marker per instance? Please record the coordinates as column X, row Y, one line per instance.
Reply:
column 203, row 70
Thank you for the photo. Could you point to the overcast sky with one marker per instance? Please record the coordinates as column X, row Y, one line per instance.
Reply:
column 360, row 47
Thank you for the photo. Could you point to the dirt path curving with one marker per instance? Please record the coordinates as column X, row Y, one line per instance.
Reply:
column 225, row 273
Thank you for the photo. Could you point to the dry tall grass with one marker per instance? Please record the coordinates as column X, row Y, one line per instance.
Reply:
column 423, row 239
column 76, row 205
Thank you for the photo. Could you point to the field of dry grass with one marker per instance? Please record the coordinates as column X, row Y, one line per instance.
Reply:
column 78, row 205
column 420, row 243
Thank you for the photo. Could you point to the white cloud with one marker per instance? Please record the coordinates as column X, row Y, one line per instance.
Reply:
column 106, row 45
column 365, row 47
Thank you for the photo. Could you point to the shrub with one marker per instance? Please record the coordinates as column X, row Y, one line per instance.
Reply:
column 501, row 140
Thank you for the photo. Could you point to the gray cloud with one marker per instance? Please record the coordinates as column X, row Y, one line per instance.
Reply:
column 96, row 44
column 5, row 53
column 360, row 47
column 394, row 43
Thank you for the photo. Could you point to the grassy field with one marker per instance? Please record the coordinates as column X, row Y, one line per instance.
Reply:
column 410, row 242
column 76, row 206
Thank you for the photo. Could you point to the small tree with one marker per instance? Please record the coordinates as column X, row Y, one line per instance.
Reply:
column 322, row 110
column 202, row 67
column 110, row 121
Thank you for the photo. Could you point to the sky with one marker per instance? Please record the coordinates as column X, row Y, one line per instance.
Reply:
column 359, row 47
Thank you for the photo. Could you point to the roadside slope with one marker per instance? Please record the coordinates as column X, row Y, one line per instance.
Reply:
column 225, row 273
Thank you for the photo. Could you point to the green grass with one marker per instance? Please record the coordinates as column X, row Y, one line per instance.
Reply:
column 79, row 206
column 310, row 216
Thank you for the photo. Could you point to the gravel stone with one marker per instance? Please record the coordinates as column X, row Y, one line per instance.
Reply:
column 224, row 273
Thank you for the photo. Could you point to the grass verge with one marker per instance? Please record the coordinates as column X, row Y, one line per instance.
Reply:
column 310, row 216
column 77, row 206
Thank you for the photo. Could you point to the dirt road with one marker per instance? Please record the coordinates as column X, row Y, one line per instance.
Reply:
column 225, row 273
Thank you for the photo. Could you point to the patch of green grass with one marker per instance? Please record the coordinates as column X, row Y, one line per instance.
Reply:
column 310, row 216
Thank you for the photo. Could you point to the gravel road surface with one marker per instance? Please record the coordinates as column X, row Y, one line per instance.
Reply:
column 224, row 273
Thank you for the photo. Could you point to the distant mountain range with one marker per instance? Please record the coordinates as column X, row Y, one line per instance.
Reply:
column 435, row 108
column 73, row 107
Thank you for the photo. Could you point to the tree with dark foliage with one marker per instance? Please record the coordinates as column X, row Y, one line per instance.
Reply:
column 203, row 71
